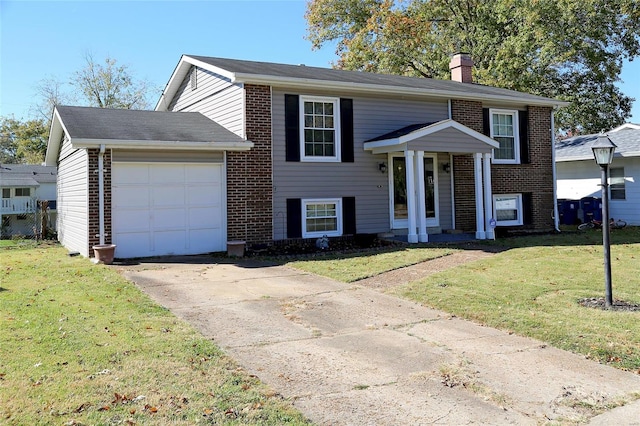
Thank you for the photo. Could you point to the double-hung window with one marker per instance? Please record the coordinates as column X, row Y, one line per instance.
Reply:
column 504, row 130
column 23, row 192
column 320, row 123
column 616, row 183
column 321, row 217
column 508, row 209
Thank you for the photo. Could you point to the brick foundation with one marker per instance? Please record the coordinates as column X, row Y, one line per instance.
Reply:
column 535, row 178
column 94, row 198
column 249, row 174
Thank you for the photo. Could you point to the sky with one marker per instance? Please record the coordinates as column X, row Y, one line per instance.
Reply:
column 44, row 39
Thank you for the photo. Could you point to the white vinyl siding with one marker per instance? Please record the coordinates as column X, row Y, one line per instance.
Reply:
column 72, row 200
column 578, row 179
column 372, row 117
column 508, row 209
column 504, row 130
column 214, row 97
column 321, row 217
column 319, row 129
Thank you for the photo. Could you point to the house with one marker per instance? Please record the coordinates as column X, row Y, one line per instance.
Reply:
column 579, row 176
column 28, row 200
column 261, row 152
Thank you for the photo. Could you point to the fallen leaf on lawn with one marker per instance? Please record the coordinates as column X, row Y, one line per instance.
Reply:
column 151, row 408
column 82, row 407
column 208, row 411
column 104, row 408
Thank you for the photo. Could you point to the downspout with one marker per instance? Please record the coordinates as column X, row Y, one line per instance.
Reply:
column 101, row 191
column 451, row 178
column 556, row 218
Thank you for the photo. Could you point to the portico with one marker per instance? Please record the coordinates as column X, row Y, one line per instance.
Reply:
column 413, row 153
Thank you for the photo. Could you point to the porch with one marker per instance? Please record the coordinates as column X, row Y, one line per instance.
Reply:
column 415, row 154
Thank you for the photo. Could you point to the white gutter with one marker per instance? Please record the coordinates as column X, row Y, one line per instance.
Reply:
column 101, row 191
column 556, row 214
column 167, row 145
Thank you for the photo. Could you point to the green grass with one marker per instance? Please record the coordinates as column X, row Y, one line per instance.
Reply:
column 357, row 266
column 81, row 345
column 533, row 289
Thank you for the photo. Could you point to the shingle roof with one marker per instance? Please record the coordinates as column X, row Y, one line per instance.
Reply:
column 26, row 175
column 140, row 125
column 245, row 69
column 579, row 147
column 400, row 132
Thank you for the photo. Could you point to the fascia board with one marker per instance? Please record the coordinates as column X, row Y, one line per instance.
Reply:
column 167, row 145
column 180, row 73
column 385, row 89
column 56, row 132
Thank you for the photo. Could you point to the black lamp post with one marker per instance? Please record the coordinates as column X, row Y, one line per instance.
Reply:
column 603, row 150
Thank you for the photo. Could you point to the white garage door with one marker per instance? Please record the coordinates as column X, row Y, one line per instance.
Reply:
column 166, row 209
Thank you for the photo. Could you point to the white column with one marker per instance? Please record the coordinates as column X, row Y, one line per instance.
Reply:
column 412, row 236
column 422, row 209
column 477, row 169
column 488, row 197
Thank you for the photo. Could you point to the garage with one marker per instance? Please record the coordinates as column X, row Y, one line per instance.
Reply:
column 167, row 208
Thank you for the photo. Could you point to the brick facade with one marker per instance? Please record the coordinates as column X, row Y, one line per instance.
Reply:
column 534, row 178
column 249, row 174
column 94, row 198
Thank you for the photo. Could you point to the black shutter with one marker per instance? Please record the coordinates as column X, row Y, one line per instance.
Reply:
column 486, row 124
column 346, row 130
column 523, row 125
column 349, row 215
column 292, row 127
column 527, row 209
column 294, row 218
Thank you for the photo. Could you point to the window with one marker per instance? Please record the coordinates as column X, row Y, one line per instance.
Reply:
column 321, row 217
column 508, row 209
column 320, row 138
column 6, row 193
column 504, row 130
column 616, row 183
column 23, row 192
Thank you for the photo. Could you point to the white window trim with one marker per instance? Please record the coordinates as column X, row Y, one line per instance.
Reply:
column 336, row 127
column 519, row 209
column 516, row 135
column 337, row 232
column 624, row 185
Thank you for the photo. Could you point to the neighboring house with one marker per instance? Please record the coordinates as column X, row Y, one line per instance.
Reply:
column 252, row 151
column 579, row 176
column 24, row 187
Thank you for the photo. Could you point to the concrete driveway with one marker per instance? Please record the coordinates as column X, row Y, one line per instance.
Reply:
column 349, row 355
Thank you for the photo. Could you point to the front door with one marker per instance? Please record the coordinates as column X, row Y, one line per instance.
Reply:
column 398, row 184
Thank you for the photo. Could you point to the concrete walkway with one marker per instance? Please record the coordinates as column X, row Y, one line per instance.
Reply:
column 349, row 355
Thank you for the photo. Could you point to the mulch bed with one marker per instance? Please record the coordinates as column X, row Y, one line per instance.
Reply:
column 618, row 305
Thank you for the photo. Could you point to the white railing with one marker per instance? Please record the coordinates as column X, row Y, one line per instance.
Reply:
column 18, row 206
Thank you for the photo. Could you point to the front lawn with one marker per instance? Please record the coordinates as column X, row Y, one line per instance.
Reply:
column 81, row 345
column 533, row 289
column 357, row 266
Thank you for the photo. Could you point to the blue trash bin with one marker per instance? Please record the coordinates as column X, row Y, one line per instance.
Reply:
column 591, row 208
column 570, row 212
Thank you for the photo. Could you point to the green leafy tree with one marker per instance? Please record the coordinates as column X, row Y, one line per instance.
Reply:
column 569, row 49
column 23, row 141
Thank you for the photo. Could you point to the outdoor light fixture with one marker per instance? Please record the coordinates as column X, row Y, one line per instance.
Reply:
column 603, row 150
column 446, row 167
column 382, row 167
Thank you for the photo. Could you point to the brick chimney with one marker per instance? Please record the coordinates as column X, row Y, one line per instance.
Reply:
column 461, row 65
